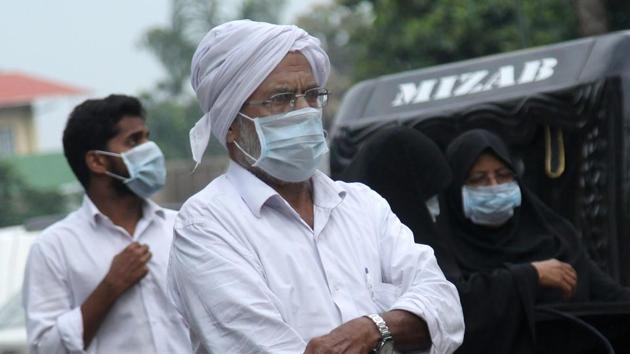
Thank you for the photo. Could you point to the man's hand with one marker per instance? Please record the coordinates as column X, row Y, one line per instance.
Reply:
column 358, row 336
column 556, row 274
column 128, row 267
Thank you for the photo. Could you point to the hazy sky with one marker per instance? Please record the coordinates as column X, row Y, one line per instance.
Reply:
column 86, row 43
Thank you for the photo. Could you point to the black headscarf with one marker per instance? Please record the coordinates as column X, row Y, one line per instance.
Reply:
column 406, row 168
column 498, row 278
column 534, row 233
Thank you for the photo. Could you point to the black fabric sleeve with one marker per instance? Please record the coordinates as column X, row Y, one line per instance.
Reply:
column 496, row 313
column 603, row 287
column 526, row 279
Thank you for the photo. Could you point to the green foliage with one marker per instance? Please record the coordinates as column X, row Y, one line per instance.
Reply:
column 262, row 10
column 175, row 45
column 413, row 34
column 334, row 25
column 171, row 108
column 618, row 14
column 24, row 201
column 170, row 121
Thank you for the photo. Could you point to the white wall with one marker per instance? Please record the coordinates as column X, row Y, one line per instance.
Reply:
column 50, row 116
column 15, row 242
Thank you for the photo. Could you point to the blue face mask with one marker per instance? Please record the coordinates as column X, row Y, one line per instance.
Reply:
column 145, row 164
column 433, row 205
column 491, row 205
column 292, row 144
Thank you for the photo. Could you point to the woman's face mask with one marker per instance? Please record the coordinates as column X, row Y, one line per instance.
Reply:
column 491, row 205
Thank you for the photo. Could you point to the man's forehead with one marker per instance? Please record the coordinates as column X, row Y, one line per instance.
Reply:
column 294, row 70
column 130, row 124
column 293, row 63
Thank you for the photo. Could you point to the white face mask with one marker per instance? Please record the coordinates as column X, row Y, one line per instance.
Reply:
column 145, row 164
column 292, row 144
column 433, row 205
column 491, row 205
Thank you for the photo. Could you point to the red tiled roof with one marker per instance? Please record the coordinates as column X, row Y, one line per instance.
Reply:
column 18, row 88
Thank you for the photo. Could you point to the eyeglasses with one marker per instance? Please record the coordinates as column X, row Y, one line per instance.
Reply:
column 285, row 101
column 486, row 178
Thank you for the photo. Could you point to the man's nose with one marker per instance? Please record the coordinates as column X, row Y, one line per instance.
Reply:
column 492, row 180
column 300, row 102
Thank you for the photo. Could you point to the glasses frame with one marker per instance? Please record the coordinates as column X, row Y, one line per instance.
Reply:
column 322, row 99
column 500, row 176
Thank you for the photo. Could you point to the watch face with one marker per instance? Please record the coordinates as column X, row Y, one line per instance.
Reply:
column 387, row 347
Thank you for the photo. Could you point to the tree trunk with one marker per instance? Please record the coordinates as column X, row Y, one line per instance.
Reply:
column 592, row 16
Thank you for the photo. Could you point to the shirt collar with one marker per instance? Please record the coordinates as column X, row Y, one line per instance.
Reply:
column 326, row 193
column 149, row 209
column 255, row 193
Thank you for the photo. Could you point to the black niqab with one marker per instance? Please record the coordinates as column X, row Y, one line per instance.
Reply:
column 499, row 288
column 406, row 168
column 534, row 233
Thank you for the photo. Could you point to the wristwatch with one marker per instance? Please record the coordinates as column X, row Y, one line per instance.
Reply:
column 386, row 345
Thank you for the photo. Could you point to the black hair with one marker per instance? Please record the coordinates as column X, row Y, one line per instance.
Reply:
column 91, row 125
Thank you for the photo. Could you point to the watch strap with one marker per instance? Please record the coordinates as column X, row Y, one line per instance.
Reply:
column 381, row 325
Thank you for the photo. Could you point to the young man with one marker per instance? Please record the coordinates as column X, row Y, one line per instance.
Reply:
column 96, row 281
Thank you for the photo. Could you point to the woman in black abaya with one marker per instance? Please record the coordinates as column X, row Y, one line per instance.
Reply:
column 497, row 226
column 408, row 169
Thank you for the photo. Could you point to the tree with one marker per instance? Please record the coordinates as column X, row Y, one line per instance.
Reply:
column 174, row 46
column 334, row 25
column 406, row 35
column 261, row 10
column 592, row 16
column 171, row 109
column 617, row 14
column 413, row 34
column 22, row 202
column 599, row 16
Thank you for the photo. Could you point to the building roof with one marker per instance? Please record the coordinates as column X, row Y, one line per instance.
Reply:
column 18, row 88
column 43, row 171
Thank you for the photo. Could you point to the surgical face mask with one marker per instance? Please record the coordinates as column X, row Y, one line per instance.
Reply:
column 145, row 164
column 433, row 205
column 292, row 144
column 491, row 205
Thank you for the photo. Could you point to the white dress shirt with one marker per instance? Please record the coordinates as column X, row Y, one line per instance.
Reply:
column 250, row 276
column 67, row 262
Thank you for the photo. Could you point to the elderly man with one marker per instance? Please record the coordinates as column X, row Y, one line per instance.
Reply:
column 274, row 256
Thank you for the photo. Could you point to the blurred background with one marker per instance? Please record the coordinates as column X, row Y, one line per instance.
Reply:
column 55, row 55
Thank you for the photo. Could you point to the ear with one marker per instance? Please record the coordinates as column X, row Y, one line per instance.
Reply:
column 96, row 163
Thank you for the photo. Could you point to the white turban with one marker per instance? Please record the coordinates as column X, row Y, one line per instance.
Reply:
column 232, row 60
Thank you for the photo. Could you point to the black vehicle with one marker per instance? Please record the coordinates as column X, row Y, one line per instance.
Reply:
column 559, row 107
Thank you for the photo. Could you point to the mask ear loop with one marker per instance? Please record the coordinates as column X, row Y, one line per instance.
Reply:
column 108, row 153
column 248, row 155
column 113, row 154
column 245, row 152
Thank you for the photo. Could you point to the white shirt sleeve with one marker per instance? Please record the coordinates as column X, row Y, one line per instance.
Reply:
column 425, row 291
column 217, row 285
column 53, row 325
